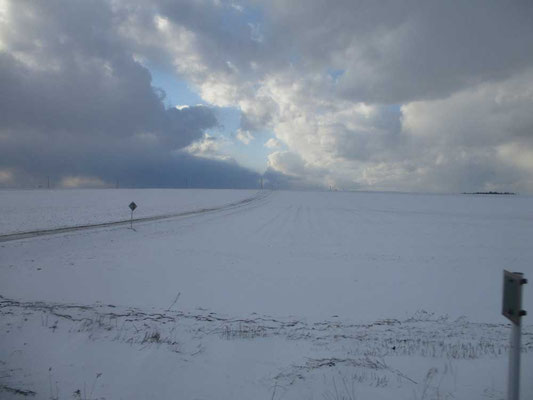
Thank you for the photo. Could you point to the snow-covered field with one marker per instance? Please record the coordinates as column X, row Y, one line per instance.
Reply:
column 292, row 295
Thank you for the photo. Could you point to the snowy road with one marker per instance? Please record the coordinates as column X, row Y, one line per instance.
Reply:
column 354, row 273
column 55, row 231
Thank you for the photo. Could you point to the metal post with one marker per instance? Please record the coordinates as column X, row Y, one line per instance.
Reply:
column 131, row 220
column 513, row 385
column 512, row 309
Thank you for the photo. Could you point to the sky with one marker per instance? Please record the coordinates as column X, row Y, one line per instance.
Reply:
column 400, row 95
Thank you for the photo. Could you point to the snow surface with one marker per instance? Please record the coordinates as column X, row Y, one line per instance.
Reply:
column 293, row 295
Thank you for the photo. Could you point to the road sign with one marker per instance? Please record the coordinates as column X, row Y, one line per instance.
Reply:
column 132, row 207
column 512, row 296
column 512, row 309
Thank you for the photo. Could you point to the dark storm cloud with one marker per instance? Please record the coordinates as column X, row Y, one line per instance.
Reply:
column 75, row 103
column 404, row 50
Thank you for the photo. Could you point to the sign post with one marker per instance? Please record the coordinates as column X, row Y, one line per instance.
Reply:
column 512, row 309
column 132, row 207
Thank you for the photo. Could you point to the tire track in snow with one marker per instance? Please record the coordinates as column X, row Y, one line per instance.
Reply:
column 269, row 222
column 56, row 231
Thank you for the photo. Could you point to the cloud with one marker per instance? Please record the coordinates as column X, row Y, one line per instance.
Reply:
column 402, row 95
column 273, row 143
column 401, row 51
column 78, row 106
column 208, row 147
column 244, row 136
column 484, row 132
column 6, row 176
column 396, row 58
column 82, row 181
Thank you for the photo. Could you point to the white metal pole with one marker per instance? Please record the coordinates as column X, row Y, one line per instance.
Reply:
column 513, row 385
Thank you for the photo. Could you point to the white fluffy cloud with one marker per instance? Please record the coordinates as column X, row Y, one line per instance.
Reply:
column 244, row 136
column 273, row 143
column 207, row 147
column 482, row 134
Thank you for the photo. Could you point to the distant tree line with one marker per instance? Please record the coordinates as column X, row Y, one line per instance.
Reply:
column 508, row 193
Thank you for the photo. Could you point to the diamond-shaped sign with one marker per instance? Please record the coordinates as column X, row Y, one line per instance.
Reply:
column 133, row 206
